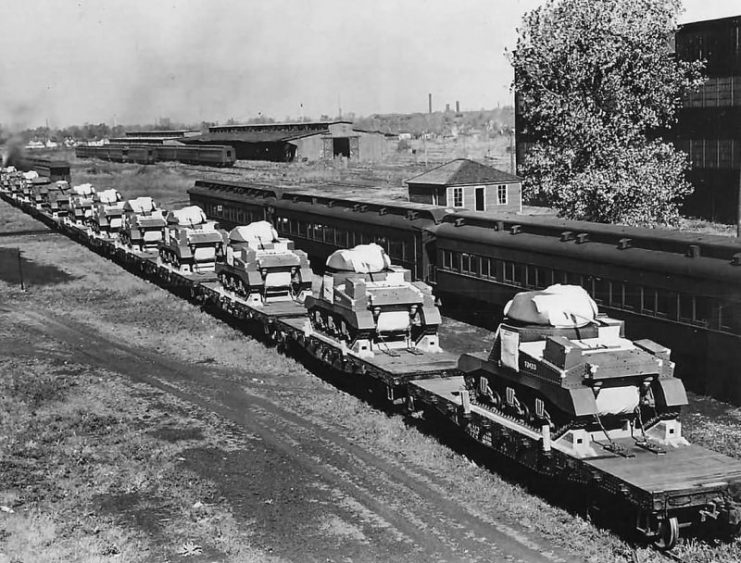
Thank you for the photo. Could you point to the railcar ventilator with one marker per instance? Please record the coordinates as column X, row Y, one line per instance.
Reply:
column 106, row 218
column 143, row 224
column 560, row 366
column 263, row 267
column 191, row 242
column 372, row 306
column 81, row 203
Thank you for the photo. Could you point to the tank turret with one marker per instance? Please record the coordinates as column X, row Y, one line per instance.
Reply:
column 191, row 242
column 81, row 203
column 371, row 306
column 263, row 267
column 557, row 362
column 106, row 218
column 143, row 224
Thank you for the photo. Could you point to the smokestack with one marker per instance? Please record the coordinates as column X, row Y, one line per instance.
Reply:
column 457, row 106
column 429, row 103
column 447, row 108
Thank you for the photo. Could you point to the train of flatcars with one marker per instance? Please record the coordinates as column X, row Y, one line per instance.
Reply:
column 205, row 155
column 682, row 289
column 583, row 406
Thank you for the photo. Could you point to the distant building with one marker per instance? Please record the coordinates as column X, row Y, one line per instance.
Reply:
column 154, row 137
column 305, row 141
column 708, row 128
column 464, row 183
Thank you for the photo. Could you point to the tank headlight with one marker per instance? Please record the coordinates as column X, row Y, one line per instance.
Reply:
column 294, row 269
column 264, row 272
column 413, row 310
column 376, row 311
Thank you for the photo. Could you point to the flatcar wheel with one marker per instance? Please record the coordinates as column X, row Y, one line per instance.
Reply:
column 668, row 534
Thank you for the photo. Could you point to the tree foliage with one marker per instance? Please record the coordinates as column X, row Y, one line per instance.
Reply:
column 597, row 85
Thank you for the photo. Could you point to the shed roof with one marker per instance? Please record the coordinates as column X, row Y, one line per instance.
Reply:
column 462, row 172
column 252, row 136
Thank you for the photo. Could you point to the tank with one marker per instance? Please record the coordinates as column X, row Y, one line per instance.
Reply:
column 370, row 306
column 143, row 224
column 81, row 203
column 558, row 362
column 58, row 199
column 263, row 267
column 191, row 243
column 106, row 216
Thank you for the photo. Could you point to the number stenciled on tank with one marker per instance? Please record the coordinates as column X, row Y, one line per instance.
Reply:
column 531, row 366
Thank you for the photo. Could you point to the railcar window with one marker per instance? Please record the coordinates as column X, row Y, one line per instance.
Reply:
column 632, row 297
column 488, row 268
column 396, row 249
column 408, row 250
column 693, row 309
column 456, row 261
column 601, row 290
column 512, row 272
column 730, row 317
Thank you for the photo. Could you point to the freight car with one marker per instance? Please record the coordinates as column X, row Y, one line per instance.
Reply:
column 207, row 155
column 681, row 288
column 644, row 467
column 54, row 169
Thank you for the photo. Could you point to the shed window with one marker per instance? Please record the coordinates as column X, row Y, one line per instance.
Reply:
column 455, row 197
column 502, row 195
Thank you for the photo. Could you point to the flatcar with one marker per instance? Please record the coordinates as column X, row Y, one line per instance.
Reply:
column 681, row 289
column 54, row 169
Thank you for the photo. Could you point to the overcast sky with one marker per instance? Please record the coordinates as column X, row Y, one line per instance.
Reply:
column 133, row 61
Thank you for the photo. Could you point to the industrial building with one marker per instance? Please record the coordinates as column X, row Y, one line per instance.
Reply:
column 709, row 124
column 464, row 183
column 303, row 141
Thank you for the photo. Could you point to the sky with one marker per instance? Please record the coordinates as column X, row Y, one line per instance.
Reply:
column 66, row 62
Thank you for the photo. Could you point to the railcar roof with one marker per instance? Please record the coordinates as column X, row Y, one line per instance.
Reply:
column 714, row 246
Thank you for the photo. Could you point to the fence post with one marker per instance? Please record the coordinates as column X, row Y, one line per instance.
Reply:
column 20, row 269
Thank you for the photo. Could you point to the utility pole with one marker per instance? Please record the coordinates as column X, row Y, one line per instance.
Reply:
column 20, row 269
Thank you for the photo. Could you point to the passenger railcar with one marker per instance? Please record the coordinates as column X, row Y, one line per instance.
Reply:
column 140, row 154
column 208, row 155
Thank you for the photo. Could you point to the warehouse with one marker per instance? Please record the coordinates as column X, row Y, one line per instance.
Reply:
column 297, row 142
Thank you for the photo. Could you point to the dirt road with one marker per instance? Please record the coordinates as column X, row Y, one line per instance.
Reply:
column 309, row 490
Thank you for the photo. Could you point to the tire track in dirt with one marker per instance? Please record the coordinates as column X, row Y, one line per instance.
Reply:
column 436, row 524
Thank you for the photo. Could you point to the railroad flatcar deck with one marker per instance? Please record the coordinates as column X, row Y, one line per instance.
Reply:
column 394, row 367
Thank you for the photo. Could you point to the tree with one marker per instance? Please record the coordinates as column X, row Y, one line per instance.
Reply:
column 597, row 86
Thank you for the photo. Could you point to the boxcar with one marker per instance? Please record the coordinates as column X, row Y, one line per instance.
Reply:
column 53, row 169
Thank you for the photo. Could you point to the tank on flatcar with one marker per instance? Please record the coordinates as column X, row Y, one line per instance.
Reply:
column 81, row 203
column 263, row 267
column 58, row 199
column 372, row 306
column 106, row 216
column 557, row 362
column 143, row 224
column 191, row 243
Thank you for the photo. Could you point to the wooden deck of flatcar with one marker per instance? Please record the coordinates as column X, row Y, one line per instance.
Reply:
column 684, row 469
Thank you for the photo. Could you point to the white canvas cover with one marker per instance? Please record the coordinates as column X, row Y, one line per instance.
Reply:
column 83, row 189
column 10, row 169
column 259, row 231
column 109, row 196
column 363, row 259
column 191, row 215
column 567, row 306
column 143, row 204
column 31, row 175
